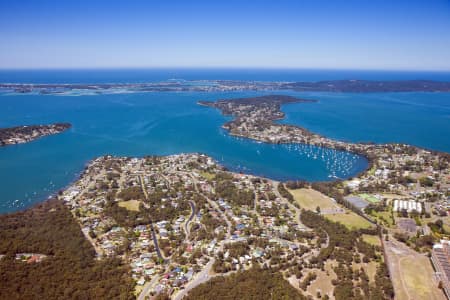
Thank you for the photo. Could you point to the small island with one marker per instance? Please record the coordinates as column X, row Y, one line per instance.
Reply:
column 28, row 133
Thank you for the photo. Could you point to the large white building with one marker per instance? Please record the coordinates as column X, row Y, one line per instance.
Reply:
column 440, row 257
column 408, row 205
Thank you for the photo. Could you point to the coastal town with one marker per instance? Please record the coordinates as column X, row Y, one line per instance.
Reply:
column 225, row 150
column 180, row 224
column 28, row 133
column 165, row 216
column 182, row 220
column 405, row 190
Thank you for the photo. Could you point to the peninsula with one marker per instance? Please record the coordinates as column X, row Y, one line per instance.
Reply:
column 404, row 191
column 28, row 133
column 255, row 118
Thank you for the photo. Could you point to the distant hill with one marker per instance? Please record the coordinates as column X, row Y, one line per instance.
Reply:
column 367, row 86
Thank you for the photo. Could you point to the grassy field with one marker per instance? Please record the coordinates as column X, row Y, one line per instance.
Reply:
column 323, row 281
column 138, row 290
column 207, row 175
column 412, row 273
column 350, row 220
column 372, row 239
column 385, row 217
column 310, row 199
column 369, row 198
column 370, row 268
column 132, row 205
column 446, row 227
column 417, row 283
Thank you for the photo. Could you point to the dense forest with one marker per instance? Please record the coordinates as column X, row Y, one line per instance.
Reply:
column 70, row 270
column 256, row 283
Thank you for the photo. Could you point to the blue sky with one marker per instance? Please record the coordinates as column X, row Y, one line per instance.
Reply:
column 346, row 34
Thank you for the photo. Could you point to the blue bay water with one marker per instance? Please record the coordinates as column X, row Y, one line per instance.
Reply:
column 169, row 123
column 420, row 119
column 136, row 125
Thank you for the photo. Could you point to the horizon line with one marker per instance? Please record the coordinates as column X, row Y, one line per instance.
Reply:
column 243, row 68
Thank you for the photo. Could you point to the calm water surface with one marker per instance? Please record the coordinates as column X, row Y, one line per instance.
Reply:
column 168, row 123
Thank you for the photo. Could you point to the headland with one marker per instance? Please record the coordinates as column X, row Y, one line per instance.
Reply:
column 28, row 133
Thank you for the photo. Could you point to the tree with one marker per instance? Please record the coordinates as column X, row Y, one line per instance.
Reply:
column 70, row 272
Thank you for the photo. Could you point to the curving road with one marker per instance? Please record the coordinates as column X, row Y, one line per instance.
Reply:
column 187, row 228
column 152, row 228
column 200, row 278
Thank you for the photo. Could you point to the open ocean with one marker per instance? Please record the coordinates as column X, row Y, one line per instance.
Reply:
column 163, row 123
